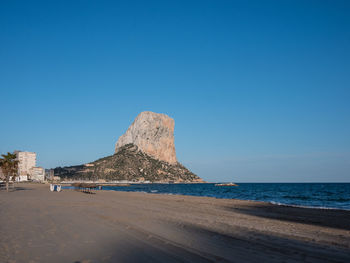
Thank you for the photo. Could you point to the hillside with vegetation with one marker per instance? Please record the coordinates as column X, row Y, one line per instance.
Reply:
column 129, row 163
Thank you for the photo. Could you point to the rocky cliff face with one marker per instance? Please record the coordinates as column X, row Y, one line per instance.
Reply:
column 153, row 134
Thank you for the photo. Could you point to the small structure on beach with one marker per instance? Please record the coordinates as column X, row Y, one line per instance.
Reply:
column 55, row 187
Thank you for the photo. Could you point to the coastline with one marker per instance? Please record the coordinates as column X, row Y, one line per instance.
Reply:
column 255, row 192
column 111, row 226
column 237, row 199
column 248, row 200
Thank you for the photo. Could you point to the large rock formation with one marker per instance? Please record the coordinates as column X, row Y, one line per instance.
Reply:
column 146, row 152
column 153, row 134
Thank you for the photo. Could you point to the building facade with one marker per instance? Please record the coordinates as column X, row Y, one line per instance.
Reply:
column 27, row 160
column 37, row 174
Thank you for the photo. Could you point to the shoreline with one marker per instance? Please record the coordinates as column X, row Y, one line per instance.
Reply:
column 271, row 201
column 249, row 200
column 306, row 207
column 114, row 226
column 69, row 184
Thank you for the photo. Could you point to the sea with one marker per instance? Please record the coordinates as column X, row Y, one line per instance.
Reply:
column 314, row 195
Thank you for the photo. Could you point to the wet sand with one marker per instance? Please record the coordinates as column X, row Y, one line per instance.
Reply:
column 37, row 225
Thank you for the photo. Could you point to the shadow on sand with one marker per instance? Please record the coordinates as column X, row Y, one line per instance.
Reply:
column 321, row 217
column 15, row 189
column 203, row 245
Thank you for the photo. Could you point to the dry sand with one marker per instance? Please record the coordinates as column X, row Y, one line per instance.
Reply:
column 37, row 225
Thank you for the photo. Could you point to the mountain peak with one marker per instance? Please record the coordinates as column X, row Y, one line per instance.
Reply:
column 153, row 134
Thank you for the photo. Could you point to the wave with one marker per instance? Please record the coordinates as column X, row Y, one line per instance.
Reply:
column 312, row 207
column 304, row 198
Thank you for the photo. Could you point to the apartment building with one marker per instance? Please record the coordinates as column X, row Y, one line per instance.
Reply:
column 27, row 160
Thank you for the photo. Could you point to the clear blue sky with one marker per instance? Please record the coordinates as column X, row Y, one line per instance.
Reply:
column 259, row 90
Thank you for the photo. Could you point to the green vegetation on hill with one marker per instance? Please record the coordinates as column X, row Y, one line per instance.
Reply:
column 129, row 163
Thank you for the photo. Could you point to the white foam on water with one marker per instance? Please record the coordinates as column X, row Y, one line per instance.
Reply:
column 312, row 207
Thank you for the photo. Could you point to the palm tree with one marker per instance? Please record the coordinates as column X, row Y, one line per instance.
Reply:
column 9, row 167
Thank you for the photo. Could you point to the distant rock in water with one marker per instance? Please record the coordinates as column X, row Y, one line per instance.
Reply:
column 146, row 152
column 153, row 133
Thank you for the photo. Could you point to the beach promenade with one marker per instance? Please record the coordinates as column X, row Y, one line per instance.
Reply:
column 37, row 225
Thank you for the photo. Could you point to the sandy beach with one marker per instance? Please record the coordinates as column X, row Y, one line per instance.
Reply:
column 37, row 225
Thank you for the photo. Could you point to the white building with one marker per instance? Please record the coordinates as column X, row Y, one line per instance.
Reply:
column 27, row 160
column 37, row 174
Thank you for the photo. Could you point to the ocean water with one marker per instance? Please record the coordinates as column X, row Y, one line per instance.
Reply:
column 316, row 195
